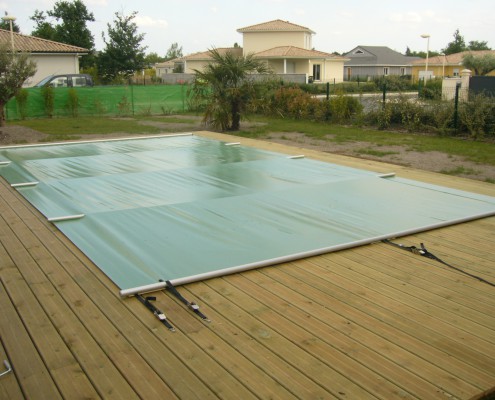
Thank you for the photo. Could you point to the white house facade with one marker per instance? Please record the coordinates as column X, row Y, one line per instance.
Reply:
column 285, row 47
column 51, row 58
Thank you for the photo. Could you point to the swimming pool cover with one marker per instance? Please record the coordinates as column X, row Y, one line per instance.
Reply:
column 185, row 208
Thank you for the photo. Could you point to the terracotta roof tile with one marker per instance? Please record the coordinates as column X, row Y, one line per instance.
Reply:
column 275, row 25
column 31, row 44
column 206, row 55
column 295, row 52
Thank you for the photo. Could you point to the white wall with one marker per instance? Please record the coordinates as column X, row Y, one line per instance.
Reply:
column 254, row 42
column 52, row 64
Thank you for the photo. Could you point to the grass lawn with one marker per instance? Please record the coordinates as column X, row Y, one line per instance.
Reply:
column 476, row 151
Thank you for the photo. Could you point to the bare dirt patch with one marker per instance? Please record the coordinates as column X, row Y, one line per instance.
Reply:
column 431, row 161
column 20, row 135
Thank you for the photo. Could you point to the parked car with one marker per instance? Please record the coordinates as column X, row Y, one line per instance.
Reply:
column 66, row 80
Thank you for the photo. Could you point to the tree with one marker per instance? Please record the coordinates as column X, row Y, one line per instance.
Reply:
column 457, row 45
column 226, row 87
column 173, row 52
column 123, row 54
column 153, row 58
column 43, row 29
column 421, row 54
column 73, row 30
column 15, row 68
column 70, row 27
column 477, row 45
column 480, row 65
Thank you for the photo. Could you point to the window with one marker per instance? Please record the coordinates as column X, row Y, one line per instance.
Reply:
column 59, row 82
column 402, row 71
column 317, row 72
column 385, row 71
column 79, row 81
column 456, row 71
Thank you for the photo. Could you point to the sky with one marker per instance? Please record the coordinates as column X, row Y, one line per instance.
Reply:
column 199, row 25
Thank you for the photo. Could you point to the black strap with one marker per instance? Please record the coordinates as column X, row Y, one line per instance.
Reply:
column 156, row 312
column 425, row 253
column 192, row 306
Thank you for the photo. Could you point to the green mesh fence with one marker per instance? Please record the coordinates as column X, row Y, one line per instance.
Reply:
column 101, row 101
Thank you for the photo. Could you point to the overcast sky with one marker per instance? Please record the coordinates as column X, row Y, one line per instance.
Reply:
column 198, row 25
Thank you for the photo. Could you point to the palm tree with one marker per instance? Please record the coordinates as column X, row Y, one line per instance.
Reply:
column 226, row 87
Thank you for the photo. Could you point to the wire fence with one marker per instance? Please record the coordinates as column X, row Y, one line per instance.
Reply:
column 98, row 101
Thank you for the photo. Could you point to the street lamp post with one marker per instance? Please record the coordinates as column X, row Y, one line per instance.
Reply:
column 427, row 37
column 11, row 20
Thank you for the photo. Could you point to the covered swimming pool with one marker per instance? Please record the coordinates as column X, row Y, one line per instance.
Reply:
column 185, row 208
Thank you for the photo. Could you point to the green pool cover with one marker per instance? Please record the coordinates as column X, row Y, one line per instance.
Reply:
column 185, row 208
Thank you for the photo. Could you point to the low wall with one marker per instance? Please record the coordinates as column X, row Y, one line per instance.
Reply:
column 189, row 78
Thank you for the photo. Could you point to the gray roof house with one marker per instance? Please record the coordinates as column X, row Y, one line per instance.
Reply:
column 373, row 61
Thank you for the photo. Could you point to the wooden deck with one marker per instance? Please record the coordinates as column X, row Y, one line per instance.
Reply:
column 374, row 322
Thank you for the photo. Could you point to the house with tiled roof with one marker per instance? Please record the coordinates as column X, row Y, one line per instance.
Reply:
column 449, row 65
column 51, row 57
column 198, row 60
column 375, row 61
column 286, row 47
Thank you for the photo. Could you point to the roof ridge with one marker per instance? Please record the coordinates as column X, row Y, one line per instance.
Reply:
column 22, row 36
column 286, row 50
column 263, row 26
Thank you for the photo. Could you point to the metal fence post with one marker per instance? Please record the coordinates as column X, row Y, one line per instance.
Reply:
column 132, row 98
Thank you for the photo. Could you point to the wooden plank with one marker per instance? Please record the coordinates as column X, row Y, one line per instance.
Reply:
column 9, row 385
column 302, row 350
column 414, row 267
column 392, row 363
column 30, row 370
column 366, row 331
column 261, row 370
column 366, row 268
column 397, row 312
column 349, row 303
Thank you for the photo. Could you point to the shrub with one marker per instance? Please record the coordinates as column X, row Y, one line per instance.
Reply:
column 394, row 83
column 21, row 99
column 432, row 90
column 405, row 112
column 124, row 106
column 73, row 102
column 49, row 100
column 343, row 108
column 291, row 102
column 99, row 108
column 443, row 117
column 477, row 116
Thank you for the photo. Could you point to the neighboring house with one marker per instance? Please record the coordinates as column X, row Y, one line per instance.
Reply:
column 374, row 61
column 444, row 65
column 51, row 58
column 286, row 48
column 197, row 61
column 164, row 68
